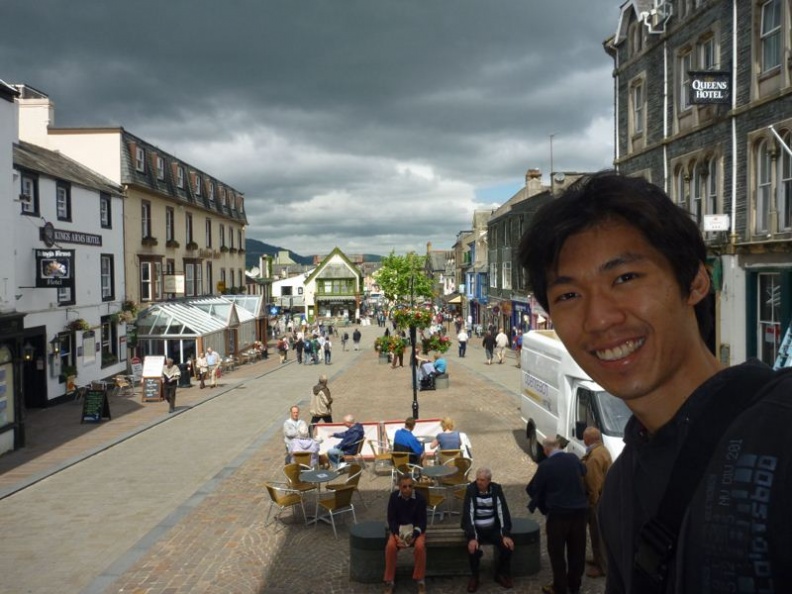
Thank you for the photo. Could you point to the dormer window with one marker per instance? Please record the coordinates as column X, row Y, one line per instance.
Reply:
column 160, row 168
column 197, row 185
column 211, row 191
column 180, row 177
column 140, row 160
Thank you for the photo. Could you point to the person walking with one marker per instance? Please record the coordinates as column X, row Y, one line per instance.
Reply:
column 598, row 461
column 462, row 339
column 556, row 490
column 486, row 520
column 321, row 402
column 328, row 350
column 356, row 339
column 299, row 346
column 406, row 529
column 501, row 344
column 344, row 340
column 488, row 342
column 202, row 367
column 213, row 362
column 170, row 381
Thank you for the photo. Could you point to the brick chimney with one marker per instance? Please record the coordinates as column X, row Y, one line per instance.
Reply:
column 533, row 182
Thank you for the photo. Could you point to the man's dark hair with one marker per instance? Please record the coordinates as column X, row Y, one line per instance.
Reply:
column 605, row 196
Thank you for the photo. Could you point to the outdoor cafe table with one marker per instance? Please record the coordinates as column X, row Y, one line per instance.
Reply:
column 318, row 477
column 438, row 471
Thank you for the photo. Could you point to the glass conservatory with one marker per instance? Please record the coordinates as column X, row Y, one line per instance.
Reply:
column 181, row 329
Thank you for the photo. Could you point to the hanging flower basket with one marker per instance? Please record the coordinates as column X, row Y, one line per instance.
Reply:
column 78, row 324
column 412, row 316
column 381, row 344
column 435, row 342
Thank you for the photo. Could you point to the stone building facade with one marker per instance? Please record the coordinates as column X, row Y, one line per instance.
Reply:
column 703, row 105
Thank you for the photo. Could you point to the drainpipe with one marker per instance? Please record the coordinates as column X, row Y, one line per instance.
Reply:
column 732, row 223
column 665, row 117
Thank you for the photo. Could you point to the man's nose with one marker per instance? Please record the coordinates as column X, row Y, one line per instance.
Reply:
column 601, row 311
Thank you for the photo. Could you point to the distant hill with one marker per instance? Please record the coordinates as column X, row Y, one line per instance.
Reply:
column 254, row 249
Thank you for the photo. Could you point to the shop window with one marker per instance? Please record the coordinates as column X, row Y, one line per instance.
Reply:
column 109, row 341
column 769, row 316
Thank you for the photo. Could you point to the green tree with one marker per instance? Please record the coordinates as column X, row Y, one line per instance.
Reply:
column 403, row 279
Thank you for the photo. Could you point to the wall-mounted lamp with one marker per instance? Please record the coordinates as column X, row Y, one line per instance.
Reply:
column 55, row 344
column 28, row 351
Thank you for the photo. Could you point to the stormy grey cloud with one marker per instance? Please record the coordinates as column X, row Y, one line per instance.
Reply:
column 369, row 125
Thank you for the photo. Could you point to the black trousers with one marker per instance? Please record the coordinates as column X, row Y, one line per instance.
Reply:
column 492, row 537
column 566, row 547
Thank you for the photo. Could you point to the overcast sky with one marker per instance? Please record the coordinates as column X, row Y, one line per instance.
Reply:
column 370, row 125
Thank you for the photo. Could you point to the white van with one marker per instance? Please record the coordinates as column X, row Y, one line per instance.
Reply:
column 559, row 398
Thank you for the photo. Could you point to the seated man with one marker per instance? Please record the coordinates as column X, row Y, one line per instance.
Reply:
column 486, row 519
column 291, row 428
column 405, row 441
column 406, row 528
column 348, row 446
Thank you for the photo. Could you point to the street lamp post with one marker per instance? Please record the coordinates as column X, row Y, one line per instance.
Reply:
column 413, row 340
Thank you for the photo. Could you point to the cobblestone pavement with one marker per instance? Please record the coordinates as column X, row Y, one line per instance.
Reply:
column 215, row 540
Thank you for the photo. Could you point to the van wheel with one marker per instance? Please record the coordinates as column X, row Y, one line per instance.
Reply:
column 534, row 450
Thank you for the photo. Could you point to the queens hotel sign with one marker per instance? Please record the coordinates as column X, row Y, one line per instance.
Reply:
column 710, row 87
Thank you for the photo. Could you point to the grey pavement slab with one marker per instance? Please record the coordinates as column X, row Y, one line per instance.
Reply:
column 180, row 506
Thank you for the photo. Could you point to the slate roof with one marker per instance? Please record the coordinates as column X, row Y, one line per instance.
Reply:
column 54, row 164
column 169, row 187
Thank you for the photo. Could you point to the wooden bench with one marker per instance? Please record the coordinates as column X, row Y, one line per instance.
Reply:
column 446, row 550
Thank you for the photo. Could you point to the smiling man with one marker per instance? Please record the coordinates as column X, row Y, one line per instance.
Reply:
column 620, row 269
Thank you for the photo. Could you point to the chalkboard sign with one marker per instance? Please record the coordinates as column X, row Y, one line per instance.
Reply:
column 95, row 406
column 151, row 389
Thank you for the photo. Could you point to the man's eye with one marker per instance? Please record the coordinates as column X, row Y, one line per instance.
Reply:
column 565, row 297
column 626, row 277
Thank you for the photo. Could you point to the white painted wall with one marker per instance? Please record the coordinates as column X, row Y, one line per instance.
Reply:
column 10, row 187
column 41, row 304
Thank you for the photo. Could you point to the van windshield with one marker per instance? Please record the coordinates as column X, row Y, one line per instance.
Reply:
column 614, row 412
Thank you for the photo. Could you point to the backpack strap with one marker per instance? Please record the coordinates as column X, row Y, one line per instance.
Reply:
column 657, row 541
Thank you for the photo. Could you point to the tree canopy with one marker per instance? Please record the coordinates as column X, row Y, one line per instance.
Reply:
column 403, row 278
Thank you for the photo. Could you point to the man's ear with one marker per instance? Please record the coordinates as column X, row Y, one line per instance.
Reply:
column 700, row 286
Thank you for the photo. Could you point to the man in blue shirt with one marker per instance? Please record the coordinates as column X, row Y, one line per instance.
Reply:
column 348, row 446
column 405, row 441
column 440, row 363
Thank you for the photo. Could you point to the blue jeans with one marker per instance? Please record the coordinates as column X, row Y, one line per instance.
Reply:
column 335, row 456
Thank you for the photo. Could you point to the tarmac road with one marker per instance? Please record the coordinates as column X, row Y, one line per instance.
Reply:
column 158, row 503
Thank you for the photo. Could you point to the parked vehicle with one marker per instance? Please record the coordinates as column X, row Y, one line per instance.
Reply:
column 559, row 398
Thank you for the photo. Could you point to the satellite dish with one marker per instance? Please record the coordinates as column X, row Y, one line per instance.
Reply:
column 559, row 177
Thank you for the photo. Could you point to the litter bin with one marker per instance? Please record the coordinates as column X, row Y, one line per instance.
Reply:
column 185, row 370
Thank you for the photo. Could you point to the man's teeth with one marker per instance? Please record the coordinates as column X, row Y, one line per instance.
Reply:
column 620, row 351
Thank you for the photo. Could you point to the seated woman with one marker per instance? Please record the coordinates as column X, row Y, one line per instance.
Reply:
column 448, row 439
column 305, row 443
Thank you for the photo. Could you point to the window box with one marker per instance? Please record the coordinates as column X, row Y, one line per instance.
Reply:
column 172, row 243
column 192, row 246
column 149, row 241
column 241, row 250
column 224, row 249
column 232, row 251
column 109, row 359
